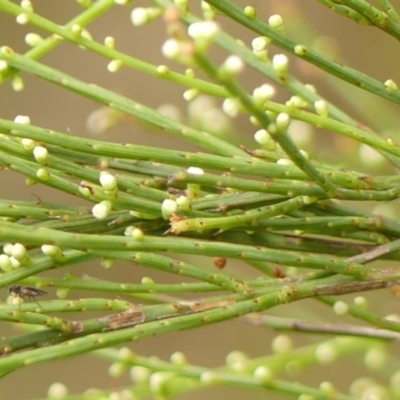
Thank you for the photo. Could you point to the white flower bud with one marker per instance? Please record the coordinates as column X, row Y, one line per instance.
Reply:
column 260, row 43
column 391, row 85
column 107, row 181
column 249, row 12
column 76, row 29
column 231, row 106
column 375, row 358
column 15, row 263
column 40, row 154
column 321, row 108
column 43, row 174
column 3, row 65
column 19, row 251
column 141, row 16
column 51, row 251
column 285, row 161
column 107, row 262
column 340, row 308
column 116, row 369
column 5, row 263
column 233, row 65
column 393, row 318
column 310, row 87
column 327, row 387
column 162, row 69
column 264, row 138
column 171, row 49
column 282, row 121
column 28, row 144
column 209, row 378
column 114, row 65
column 280, row 63
column 22, row 19
column 7, row 248
column 190, row 94
column 6, row 51
column 276, row 22
column 17, row 83
column 137, row 234
column 204, row 31
column 300, row 50
column 263, row 374
column 139, row 374
column 309, row 199
column 26, row 5
column 235, row 357
column 183, row 203
column 168, row 208
column 297, row 102
column 325, row 353
column 361, row 301
column 281, row 344
column 57, row 391
column 263, row 93
column 195, row 171
column 22, row 119
column 179, row 358
column 102, row 209
column 33, row 39
column 158, row 380
column 147, row 281
column 189, row 73
column 109, row 42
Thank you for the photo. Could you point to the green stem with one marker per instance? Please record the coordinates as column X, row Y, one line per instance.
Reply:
column 347, row 74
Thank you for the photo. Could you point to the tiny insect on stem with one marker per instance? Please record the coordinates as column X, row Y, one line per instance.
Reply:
column 26, row 292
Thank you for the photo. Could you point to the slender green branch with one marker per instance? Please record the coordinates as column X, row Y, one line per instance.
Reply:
column 121, row 103
column 281, row 137
column 295, row 325
column 117, row 247
column 107, row 52
column 347, row 74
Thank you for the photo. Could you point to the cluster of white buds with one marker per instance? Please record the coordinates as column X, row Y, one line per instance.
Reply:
column 14, row 256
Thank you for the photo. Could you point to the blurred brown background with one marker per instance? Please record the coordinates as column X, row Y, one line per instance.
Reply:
column 363, row 48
